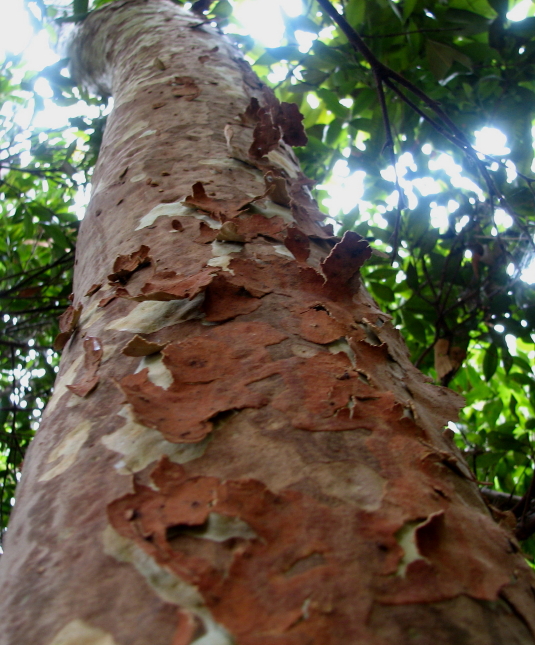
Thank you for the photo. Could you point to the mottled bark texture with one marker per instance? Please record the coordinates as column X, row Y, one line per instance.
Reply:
column 238, row 449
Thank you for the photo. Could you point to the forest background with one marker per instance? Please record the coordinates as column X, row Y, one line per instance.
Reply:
column 419, row 116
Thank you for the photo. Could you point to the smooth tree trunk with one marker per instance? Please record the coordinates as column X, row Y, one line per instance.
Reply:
column 238, row 449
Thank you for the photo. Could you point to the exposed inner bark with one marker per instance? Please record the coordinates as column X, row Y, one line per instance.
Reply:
column 248, row 456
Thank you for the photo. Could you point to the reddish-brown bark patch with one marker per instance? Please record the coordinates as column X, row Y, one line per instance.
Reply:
column 140, row 346
column 219, row 209
column 278, row 187
column 257, row 591
column 318, row 327
column 93, row 289
column 92, row 358
column 229, row 233
column 225, row 300
column 210, row 375
column 106, row 301
column 339, row 400
column 291, row 124
column 274, row 122
column 297, row 243
column 67, row 324
column 125, row 265
column 184, row 87
column 306, row 573
column 167, row 285
column 252, row 225
column 206, row 234
column 346, row 258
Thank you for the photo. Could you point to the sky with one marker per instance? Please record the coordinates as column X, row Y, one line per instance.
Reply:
column 265, row 24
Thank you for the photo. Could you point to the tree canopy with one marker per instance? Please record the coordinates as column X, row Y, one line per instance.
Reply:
column 393, row 95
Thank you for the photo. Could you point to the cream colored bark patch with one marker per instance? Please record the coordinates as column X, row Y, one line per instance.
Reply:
column 60, row 387
column 78, row 632
column 219, row 528
column 158, row 372
column 406, row 538
column 109, row 351
column 137, row 127
column 176, row 209
column 282, row 162
column 356, row 484
column 147, row 317
column 141, row 446
column 139, row 177
column 341, row 346
column 229, row 162
column 168, row 586
column 67, row 450
column 280, row 249
column 90, row 315
column 269, row 209
column 222, row 252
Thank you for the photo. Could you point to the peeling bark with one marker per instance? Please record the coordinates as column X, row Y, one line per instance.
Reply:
column 238, row 449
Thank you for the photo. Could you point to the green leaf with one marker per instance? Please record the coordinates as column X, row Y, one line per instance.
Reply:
column 276, row 54
column 332, row 102
column 512, row 405
column 468, row 22
column 523, row 379
column 523, row 28
column 415, row 327
column 501, row 7
column 441, row 57
column 349, row 219
column 223, row 9
column 492, row 411
column 507, row 359
column 300, row 23
column 412, row 276
column 355, row 11
column 333, row 131
column 79, row 7
column 408, row 8
column 490, row 362
column 382, row 291
column 364, row 125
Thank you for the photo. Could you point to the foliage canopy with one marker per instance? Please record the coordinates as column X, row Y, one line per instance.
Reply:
column 452, row 227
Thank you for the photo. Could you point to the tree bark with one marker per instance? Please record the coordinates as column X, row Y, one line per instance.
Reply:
column 238, row 449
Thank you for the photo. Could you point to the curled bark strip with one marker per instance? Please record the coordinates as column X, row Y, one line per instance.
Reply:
column 274, row 122
column 297, row 243
column 167, row 285
column 92, row 358
column 346, row 258
column 125, row 265
column 219, row 209
column 139, row 346
column 184, row 87
column 67, row 324
column 93, row 289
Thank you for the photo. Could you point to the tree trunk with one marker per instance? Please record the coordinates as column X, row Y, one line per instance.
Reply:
column 238, row 449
